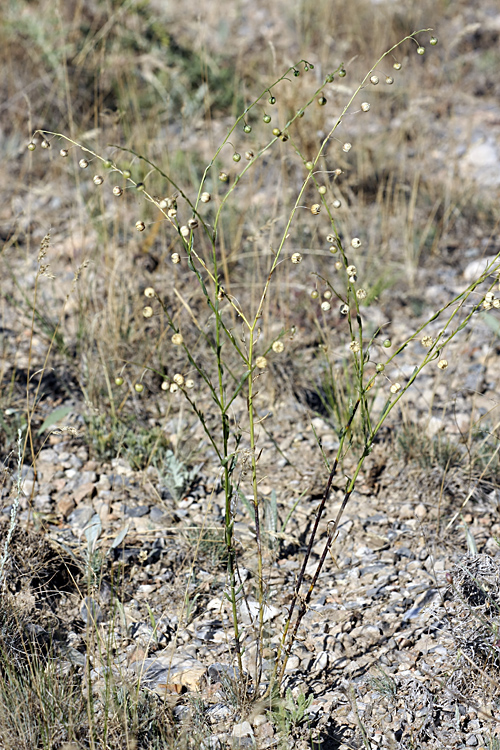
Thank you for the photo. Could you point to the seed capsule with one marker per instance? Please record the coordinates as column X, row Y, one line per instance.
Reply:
column 336, row 203
column 223, row 177
column 193, row 223
column 315, row 209
column 139, row 387
column 267, row 118
column 83, row 163
column 420, row 50
column 296, row 258
column 374, row 80
column 31, row 146
column 247, row 129
column 117, row 190
column 119, row 380
column 347, row 147
column 97, row 179
column 236, row 157
column 45, row 144
column 342, row 73
column 433, row 41
column 127, row 174
column 397, row 66
column 322, row 101
column 140, row 226
column 365, row 106
column 272, row 100
column 389, row 80
column 249, row 155
column 355, row 242
column 205, row 197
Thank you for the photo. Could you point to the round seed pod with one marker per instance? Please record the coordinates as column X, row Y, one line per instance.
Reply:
column 272, row 100
column 336, row 203
column 342, row 73
column 223, row 177
column 31, row 146
column 117, row 190
column 365, row 106
column 322, row 101
column 315, row 209
column 205, row 197
column 420, row 50
column 139, row 387
column 45, row 143
column 119, row 380
column 127, row 174
column 140, row 226
column 267, row 118
column 247, row 129
column 83, row 163
column 97, row 179
column 374, row 80
column 236, row 157
column 389, row 80
column 193, row 223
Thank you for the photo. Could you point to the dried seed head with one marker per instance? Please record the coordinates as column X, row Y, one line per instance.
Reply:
column 97, row 179
column 296, row 258
column 147, row 311
column 395, row 387
column 31, row 146
column 344, row 309
column 365, row 106
column 177, row 339
column 172, row 213
column 443, row 364
column 336, row 203
column 193, row 223
column 330, row 238
column 184, row 230
column 83, row 163
column 325, row 306
column 249, row 155
column 315, row 209
column 178, row 378
column 361, row 293
column 165, row 385
column 351, row 270
column 374, row 79
column 205, row 197
column 139, row 387
column 355, row 243
column 189, row 383
column 117, row 190
column 140, row 226
column 175, row 258
column 278, row 347
column 64, row 152
column 389, row 80
column 261, row 363
column 173, row 388
column 149, row 292
column 354, row 346
column 426, row 341
column 347, row 147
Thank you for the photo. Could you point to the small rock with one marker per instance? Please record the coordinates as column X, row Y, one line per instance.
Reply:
column 242, row 730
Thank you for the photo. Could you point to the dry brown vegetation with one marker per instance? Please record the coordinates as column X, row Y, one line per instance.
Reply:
column 150, row 83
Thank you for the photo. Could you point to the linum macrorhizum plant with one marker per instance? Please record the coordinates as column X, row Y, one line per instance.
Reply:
column 235, row 444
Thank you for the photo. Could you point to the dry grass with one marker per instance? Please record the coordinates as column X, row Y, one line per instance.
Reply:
column 168, row 83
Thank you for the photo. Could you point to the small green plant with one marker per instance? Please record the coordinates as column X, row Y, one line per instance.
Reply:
column 289, row 714
column 384, row 684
